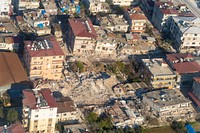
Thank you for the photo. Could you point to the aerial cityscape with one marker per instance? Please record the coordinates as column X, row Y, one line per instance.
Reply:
column 99, row 66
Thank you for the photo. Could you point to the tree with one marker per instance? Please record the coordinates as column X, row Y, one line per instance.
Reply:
column 178, row 126
column 12, row 115
column 59, row 127
column 80, row 66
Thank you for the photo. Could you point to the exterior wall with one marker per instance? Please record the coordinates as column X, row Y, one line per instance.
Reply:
column 43, row 119
column 163, row 81
column 25, row 4
column 122, row 2
column 105, row 48
column 138, row 26
column 5, row 7
column 68, row 116
column 11, row 46
column 47, row 67
column 84, row 45
column 157, row 18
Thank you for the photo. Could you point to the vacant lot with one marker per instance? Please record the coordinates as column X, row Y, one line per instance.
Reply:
column 160, row 130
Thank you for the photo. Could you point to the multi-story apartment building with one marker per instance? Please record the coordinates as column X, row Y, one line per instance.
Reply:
column 185, row 33
column 105, row 45
column 9, row 43
column 82, row 36
column 160, row 75
column 161, row 12
column 136, row 19
column 6, row 9
column 114, row 22
column 38, row 21
column 196, row 87
column 96, row 6
column 164, row 10
column 122, row 2
column 168, row 103
column 22, row 5
column 43, row 58
column 39, row 111
column 185, row 67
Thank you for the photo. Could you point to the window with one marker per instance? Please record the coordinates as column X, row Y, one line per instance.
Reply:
column 35, row 121
column 36, row 116
column 64, row 114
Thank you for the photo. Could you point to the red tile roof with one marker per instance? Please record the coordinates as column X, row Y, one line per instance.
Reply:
column 66, row 105
column 169, row 11
column 194, row 98
column 187, row 67
column 138, row 16
column 54, row 51
column 174, row 57
column 11, row 69
column 79, row 28
column 29, row 98
column 13, row 128
column 46, row 93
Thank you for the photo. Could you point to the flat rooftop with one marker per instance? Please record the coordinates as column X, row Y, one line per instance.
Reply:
column 158, row 67
column 112, row 20
column 167, row 97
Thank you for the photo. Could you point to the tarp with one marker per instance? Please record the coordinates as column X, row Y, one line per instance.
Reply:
column 190, row 129
column 78, row 9
column 43, row 12
column 40, row 25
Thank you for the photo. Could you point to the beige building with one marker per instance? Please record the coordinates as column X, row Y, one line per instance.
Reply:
column 185, row 33
column 82, row 36
column 106, row 44
column 96, row 6
column 159, row 73
column 39, row 111
column 136, row 19
column 67, row 111
column 114, row 22
column 38, row 22
column 43, row 58
column 168, row 103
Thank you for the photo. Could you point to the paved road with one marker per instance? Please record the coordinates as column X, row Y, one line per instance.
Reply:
column 191, row 4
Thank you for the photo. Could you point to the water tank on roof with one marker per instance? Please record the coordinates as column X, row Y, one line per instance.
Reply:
column 40, row 25
column 43, row 12
column 78, row 9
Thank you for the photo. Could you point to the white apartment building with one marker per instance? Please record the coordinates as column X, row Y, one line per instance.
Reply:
column 122, row 2
column 185, row 33
column 96, row 6
column 105, row 45
column 39, row 111
column 168, row 103
column 114, row 22
column 82, row 36
column 6, row 8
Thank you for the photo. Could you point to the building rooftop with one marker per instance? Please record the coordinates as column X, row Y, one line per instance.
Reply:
column 183, row 63
column 158, row 67
column 38, row 98
column 177, row 57
column 13, row 128
column 66, row 104
column 136, row 13
column 166, row 97
column 35, row 15
column 11, row 69
column 112, row 20
column 197, row 79
column 82, row 28
column 43, row 46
